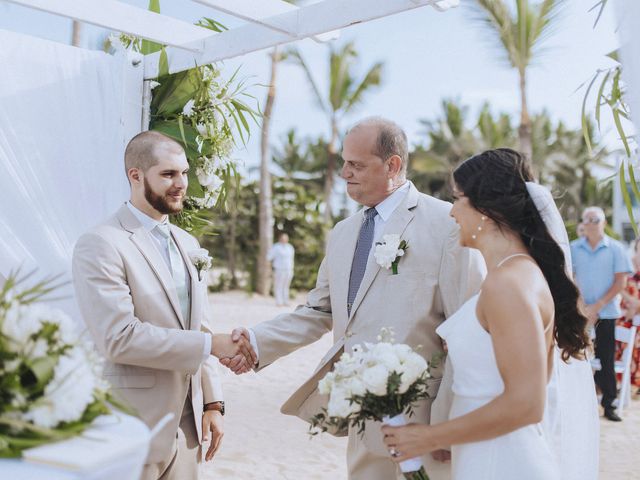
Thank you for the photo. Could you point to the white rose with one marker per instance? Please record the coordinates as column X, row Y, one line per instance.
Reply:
column 208, row 178
column 348, row 364
column 187, row 110
column 354, row 386
column 340, row 405
column 412, row 368
column 386, row 252
column 375, row 379
column 402, row 351
column 384, row 354
column 326, row 384
column 391, row 239
column 68, row 394
column 20, row 323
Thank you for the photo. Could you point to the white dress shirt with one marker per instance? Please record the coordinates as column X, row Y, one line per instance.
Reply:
column 150, row 224
column 385, row 209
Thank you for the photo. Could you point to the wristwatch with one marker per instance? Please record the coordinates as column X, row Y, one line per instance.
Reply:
column 216, row 406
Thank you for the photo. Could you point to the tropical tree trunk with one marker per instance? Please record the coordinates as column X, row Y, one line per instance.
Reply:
column 332, row 155
column 524, row 131
column 265, row 228
column 76, row 33
column 233, row 246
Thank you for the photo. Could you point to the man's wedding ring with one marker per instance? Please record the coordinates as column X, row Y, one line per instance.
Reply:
column 394, row 453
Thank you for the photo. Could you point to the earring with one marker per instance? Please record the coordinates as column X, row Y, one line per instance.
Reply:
column 483, row 218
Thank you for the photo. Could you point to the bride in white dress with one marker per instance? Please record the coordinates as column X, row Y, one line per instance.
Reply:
column 502, row 342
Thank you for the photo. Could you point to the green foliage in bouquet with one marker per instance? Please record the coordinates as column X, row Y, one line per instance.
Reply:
column 51, row 385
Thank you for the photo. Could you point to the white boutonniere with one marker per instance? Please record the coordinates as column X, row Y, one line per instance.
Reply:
column 389, row 251
column 201, row 260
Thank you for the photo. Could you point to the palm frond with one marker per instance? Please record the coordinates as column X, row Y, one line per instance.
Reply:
column 372, row 78
column 296, row 57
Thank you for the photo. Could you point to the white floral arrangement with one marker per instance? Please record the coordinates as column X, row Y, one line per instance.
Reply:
column 388, row 252
column 209, row 116
column 51, row 384
column 381, row 382
column 201, row 260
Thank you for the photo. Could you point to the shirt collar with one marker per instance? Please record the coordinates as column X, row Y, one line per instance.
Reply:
column 147, row 222
column 605, row 242
column 386, row 207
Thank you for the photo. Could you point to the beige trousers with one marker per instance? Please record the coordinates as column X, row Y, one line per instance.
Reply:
column 185, row 458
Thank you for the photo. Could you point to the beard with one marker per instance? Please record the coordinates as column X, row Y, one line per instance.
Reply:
column 164, row 204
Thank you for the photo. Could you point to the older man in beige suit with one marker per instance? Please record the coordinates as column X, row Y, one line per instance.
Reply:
column 355, row 297
column 146, row 309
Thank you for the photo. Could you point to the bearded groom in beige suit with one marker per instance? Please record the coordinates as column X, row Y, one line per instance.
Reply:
column 355, row 297
column 146, row 308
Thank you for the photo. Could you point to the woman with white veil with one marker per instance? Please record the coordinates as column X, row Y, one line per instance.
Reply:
column 523, row 397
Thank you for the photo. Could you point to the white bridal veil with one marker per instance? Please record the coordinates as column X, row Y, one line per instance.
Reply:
column 571, row 418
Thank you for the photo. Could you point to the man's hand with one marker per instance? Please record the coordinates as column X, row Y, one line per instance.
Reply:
column 240, row 364
column 234, row 354
column 212, row 424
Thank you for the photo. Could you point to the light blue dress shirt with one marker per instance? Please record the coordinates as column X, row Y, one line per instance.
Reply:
column 595, row 270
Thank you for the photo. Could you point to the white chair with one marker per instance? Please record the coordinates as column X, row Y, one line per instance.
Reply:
column 623, row 366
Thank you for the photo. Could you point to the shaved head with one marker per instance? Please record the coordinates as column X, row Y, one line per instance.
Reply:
column 145, row 150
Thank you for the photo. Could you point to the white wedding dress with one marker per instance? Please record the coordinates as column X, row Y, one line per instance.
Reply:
column 524, row 454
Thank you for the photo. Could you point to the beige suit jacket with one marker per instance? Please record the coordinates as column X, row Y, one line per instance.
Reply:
column 435, row 276
column 128, row 300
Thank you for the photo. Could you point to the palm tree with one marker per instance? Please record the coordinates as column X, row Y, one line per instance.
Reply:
column 302, row 161
column 571, row 171
column 346, row 91
column 449, row 141
column 520, row 35
column 265, row 214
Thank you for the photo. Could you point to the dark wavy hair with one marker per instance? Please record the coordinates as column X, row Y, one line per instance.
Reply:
column 494, row 183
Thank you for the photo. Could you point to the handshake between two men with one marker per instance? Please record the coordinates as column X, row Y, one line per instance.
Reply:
column 234, row 351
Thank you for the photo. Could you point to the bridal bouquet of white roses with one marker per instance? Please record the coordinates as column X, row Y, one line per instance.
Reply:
column 51, row 386
column 380, row 382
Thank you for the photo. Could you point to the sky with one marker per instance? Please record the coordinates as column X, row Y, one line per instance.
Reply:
column 428, row 56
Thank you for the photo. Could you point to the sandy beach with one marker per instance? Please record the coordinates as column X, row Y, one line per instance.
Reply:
column 261, row 443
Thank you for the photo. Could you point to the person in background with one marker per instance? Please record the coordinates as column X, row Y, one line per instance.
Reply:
column 281, row 258
column 601, row 266
column 631, row 309
column 580, row 230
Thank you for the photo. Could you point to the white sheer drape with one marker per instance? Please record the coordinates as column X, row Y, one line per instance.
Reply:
column 628, row 20
column 61, row 143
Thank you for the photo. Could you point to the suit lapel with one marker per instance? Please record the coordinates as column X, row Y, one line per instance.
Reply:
column 191, row 272
column 397, row 224
column 142, row 240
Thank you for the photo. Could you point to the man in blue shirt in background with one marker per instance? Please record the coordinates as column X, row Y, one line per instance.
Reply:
column 601, row 266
